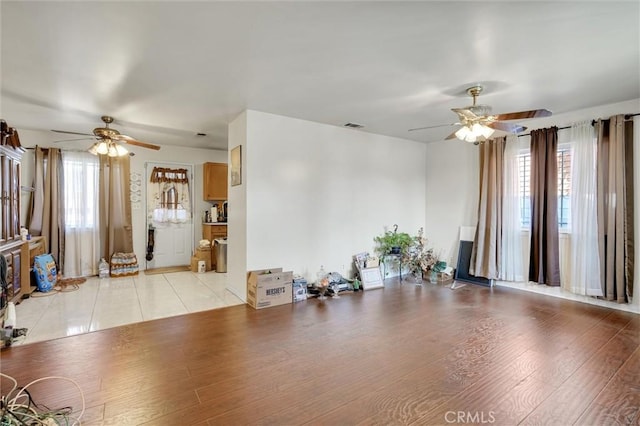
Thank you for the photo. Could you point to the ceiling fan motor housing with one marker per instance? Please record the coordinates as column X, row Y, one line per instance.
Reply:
column 480, row 110
column 105, row 132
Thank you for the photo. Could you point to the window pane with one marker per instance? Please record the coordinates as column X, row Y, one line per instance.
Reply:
column 524, row 172
column 564, row 188
column 80, row 192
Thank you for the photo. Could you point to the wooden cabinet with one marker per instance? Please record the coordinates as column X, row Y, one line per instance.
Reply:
column 211, row 232
column 215, row 181
column 9, row 194
column 37, row 246
column 15, row 251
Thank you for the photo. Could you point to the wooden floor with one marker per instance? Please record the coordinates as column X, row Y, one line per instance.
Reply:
column 399, row 355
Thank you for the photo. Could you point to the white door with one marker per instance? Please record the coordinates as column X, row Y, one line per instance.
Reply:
column 173, row 232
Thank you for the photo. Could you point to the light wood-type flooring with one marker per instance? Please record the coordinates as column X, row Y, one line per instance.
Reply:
column 405, row 354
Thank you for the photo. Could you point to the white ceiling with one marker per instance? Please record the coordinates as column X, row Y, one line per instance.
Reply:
column 167, row 70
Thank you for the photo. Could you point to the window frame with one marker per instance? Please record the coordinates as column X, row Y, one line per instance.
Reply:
column 71, row 217
column 564, row 154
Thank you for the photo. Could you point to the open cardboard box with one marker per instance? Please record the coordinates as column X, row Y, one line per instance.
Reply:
column 269, row 287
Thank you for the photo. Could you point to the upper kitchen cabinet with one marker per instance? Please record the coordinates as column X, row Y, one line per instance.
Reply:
column 215, row 181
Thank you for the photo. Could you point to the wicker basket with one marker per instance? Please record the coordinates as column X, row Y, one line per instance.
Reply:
column 123, row 265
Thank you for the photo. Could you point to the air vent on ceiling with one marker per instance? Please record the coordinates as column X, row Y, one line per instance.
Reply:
column 354, row 125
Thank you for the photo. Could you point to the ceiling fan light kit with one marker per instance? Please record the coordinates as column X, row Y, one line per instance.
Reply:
column 474, row 133
column 108, row 147
column 120, row 150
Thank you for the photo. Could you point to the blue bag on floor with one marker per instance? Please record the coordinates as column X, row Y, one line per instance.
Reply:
column 44, row 269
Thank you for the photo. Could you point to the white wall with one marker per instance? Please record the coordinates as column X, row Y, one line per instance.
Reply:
column 452, row 194
column 317, row 194
column 237, row 221
column 168, row 154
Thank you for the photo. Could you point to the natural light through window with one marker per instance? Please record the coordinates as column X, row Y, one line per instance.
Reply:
column 564, row 188
column 80, row 192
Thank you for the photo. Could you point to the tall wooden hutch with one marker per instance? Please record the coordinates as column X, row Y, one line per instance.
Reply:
column 15, row 251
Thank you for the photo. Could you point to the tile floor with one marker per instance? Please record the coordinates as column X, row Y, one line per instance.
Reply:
column 110, row 302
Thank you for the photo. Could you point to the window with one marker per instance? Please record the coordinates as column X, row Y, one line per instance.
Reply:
column 564, row 187
column 524, row 173
column 80, row 191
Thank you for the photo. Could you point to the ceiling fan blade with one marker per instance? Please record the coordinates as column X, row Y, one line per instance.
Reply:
column 465, row 114
column 507, row 127
column 534, row 113
column 451, row 136
column 131, row 141
column 72, row 133
column 433, row 127
column 71, row 140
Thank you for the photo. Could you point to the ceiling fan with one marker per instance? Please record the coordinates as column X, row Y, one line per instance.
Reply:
column 107, row 140
column 478, row 124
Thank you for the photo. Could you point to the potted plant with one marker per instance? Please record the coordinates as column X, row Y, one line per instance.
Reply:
column 393, row 242
column 391, row 247
column 420, row 259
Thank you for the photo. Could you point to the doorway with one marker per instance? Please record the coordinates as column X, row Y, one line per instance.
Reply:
column 169, row 210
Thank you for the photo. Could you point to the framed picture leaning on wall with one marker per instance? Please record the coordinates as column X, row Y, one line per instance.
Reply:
column 236, row 165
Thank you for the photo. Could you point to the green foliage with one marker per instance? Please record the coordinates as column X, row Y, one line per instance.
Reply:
column 390, row 239
column 413, row 255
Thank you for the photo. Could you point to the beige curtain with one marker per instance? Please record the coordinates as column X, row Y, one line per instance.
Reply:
column 47, row 209
column 487, row 245
column 615, row 207
column 116, row 233
column 544, row 262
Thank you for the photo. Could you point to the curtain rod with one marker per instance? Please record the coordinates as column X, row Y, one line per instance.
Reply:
column 593, row 122
column 44, row 149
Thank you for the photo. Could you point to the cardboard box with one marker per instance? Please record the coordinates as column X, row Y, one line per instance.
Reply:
column 194, row 264
column 269, row 287
column 203, row 254
column 444, row 278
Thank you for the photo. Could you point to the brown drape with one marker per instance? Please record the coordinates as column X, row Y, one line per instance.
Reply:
column 487, row 246
column 116, row 232
column 615, row 207
column 47, row 203
column 544, row 262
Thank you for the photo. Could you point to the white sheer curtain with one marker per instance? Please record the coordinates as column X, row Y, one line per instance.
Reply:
column 81, row 214
column 585, row 264
column 511, row 268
